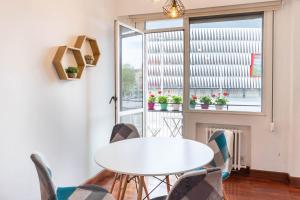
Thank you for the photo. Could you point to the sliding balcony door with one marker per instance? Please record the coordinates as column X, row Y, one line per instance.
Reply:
column 130, row 76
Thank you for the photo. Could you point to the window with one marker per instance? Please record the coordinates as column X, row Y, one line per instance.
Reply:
column 161, row 24
column 226, row 63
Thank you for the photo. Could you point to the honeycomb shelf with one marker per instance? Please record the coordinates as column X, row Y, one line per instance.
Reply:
column 60, row 68
column 81, row 41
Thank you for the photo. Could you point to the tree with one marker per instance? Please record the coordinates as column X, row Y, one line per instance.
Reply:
column 128, row 79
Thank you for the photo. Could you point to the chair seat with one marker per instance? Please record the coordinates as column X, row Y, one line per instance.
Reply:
column 160, row 198
column 84, row 192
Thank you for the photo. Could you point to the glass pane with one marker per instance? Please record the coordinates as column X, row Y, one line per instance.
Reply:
column 160, row 24
column 131, row 72
column 165, row 80
column 226, row 63
column 135, row 119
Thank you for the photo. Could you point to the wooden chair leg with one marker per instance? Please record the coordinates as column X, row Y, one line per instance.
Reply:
column 145, row 188
column 124, row 187
column 168, row 184
column 114, row 182
column 120, row 187
column 140, row 193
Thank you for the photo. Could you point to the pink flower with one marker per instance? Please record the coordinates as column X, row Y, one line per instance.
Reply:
column 225, row 94
column 159, row 92
column 213, row 95
column 151, row 95
column 194, row 97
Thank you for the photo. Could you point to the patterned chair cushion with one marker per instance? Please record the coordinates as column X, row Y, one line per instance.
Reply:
column 197, row 185
column 221, row 143
column 90, row 192
column 124, row 131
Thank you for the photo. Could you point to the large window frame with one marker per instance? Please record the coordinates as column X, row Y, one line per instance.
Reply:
column 266, row 64
column 187, row 75
column 266, row 8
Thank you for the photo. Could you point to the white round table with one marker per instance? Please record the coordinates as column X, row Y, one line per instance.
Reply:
column 153, row 157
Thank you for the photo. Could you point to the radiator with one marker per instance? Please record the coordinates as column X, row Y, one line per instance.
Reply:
column 238, row 160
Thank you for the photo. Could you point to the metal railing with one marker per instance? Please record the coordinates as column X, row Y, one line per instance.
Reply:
column 164, row 123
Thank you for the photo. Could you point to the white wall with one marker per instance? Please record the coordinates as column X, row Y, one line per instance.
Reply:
column 66, row 121
column 277, row 151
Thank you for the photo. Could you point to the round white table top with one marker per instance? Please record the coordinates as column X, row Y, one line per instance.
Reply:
column 153, row 156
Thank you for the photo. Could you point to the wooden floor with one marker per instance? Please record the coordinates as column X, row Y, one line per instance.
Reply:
column 237, row 188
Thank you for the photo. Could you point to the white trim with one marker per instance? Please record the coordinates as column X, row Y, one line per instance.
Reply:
column 211, row 11
column 120, row 113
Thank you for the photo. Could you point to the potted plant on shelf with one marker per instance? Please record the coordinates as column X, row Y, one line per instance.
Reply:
column 72, row 72
column 177, row 101
column 151, row 101
column 88, row 59
column 221, row 101
column 193, row 102
column 206, row 101
column 163, row 101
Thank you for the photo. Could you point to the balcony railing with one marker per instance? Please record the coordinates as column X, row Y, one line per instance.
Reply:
column 164, row 123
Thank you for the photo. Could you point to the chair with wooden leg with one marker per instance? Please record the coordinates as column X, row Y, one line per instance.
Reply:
column 49, row 192
column 221, row 143
column 123, row 132
column 197, row 185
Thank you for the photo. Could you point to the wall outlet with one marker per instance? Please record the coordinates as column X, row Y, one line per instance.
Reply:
column 272, row 127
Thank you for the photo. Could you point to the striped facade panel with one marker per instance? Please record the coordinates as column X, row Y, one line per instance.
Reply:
column 219, row 58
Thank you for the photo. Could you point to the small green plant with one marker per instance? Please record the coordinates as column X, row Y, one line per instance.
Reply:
column 221, row 100
column 193, row 100
column 72, row 70
column 163, row 99
column 177, row 99
column 206, row 100
column 151, row 98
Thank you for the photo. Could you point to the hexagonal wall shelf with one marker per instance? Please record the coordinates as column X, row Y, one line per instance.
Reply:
column 94, row 47
column 57, row 62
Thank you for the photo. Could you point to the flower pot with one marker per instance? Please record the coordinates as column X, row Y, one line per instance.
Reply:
column 163, row 106
column 204, row 106
column 176, row 107
column 192, row 106
column 219, row 107
column 72, row 75
column 151, row 106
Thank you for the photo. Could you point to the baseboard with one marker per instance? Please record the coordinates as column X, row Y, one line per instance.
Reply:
column 294, row 181
column 270, row 175
column 104, row 174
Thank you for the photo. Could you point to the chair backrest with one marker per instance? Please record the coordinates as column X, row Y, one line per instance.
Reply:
column 221, row 143
column 198, row 185
column 123, row 132
column 47, row 187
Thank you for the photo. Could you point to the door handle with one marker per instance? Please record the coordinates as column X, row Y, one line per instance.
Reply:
column 113, row 98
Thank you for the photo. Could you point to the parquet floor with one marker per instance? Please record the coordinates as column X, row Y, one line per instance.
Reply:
column 237, row 188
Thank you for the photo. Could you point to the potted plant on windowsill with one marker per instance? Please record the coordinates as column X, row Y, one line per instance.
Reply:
column 151, row 101
column 205, row 102
column 163, row 101
column 177, row 101
column 221, row 101
column 193, row 102
column 72, row 72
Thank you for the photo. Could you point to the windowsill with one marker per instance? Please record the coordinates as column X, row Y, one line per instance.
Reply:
column 226, row 112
